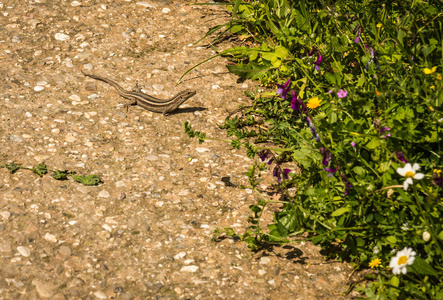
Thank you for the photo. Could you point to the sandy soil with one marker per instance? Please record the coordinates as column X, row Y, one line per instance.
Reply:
column 145, row 232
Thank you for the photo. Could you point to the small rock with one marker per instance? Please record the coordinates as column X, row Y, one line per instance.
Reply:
column 145, row 4
column 201, row 150
column 180, row 255
column 104, row 194
column 50, row 238
column 65, row 251
column 264, row 260
column 24, row 251
column 100, row 295
column 15, row 138
column 152, row 157
column 61, row 36
column 43, row 289
column 191, row 269
column 75, row 98
column 75, row 3
column 166, row 10
column 5, row 214
column 70, row 139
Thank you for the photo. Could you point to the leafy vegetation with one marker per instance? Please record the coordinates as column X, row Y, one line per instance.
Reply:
column 42, row 170
column 359, row 106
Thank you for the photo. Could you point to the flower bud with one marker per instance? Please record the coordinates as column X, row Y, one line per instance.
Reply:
column 426, row 236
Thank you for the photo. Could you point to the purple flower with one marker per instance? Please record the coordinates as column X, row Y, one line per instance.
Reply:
column 277, row 173
column 314, row 50
column 330, row 91
column 357, row 38
column 318, row 62
column 312, row 128
column 400, row 156
column 352, row 144
column 383, row 130
column 437, row 178
column 283, row 89
column 332, row 171
column 264, row 154
column 342, row 93
column 326, row 156
column 348, row 185
column 374, row 58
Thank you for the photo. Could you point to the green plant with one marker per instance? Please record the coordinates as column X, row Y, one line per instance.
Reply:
column 361, row 112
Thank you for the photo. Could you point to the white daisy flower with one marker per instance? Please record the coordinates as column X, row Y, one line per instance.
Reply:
column 403, row 258
column 410, row 172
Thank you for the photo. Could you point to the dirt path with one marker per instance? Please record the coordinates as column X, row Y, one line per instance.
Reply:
column 145, row 232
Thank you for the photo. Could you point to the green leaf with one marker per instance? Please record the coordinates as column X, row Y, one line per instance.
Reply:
column 392, row 239
column 423, row 268
column 374, row 143
column 61, row 175
column 87, row 180
column 340, row 211
column 40, row 169
column 12, row 167
column 395, row 281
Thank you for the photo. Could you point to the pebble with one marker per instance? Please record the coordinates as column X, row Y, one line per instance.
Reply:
column 104, row 194
column 5, row 214
column 75, row 3
column 166, row 10
column 215, row 86
column 74, row 98
column 28, row 114
column 39, row 88
column 70, row 139
column 152, row 157
column 24, row 251
column 189, row 261
column 265, row 260
column 100, row 295
column 191, row 269
column 180, row 255
column 158, row 87
column 65, row 251
column 201, row 150
column 145, row 4
column 43, row 289
column 61, row 36
column 50, row 238
column 261, row 272
column 16, row 138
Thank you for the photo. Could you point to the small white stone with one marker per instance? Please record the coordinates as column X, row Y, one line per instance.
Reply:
column 201, row 150
column 189, row 269
column 24, row 251
column 261, row 272
column 75, row 3
column 61, row 36
column 264, row 260
column 89, row 144
column 161, row 36
column 211, row 186
column 39, row 88
column 70, row 139
column 215, row 86
column 166, row 10
column 100, row 295
column 74, row 98
column 271, row 282
column 28, row 114
column 158, row 87
column 180, row 255
column 50, row 238
column 152, row 157
column 5, row 214
column 120, row 184
column 189, row 261
column 171, row 68
column 145, row 4
column 204, row 226
column 104, row 194
column 107, row 227
column 183, row 193
column 26, row 136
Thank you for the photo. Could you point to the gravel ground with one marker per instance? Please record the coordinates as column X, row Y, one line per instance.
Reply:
column 145, row 232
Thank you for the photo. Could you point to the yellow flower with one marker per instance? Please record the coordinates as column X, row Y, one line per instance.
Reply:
column 375, row 263
column 379, row 25
column 438, row 77
column 428, row 71
column 313, row 103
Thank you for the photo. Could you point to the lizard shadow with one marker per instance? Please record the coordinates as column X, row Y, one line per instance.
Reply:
column 187, row 110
